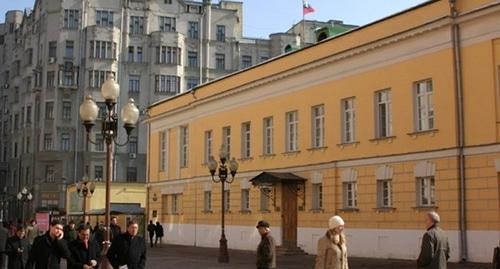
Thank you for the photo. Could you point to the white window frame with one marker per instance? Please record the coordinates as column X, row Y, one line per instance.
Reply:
column 424, row 105
column 184, row 145
column 207, row 197
column 208, row 145
column 226, row 139
column 65, row 142
column 317, row 196
column 318, row 126
column 246, row 137
column 384, row 193
column 348, row 120
column 245, row 200
column 264, row 199
column 163, row 151
column 350, row 194
column 292, row 130
column 268, row 129
column 383, row 112
column 426, row 189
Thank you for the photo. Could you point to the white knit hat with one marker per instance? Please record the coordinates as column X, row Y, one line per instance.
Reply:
column 335, row 222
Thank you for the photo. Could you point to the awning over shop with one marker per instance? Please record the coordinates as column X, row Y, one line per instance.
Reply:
column 116, row 209
column 272, row 178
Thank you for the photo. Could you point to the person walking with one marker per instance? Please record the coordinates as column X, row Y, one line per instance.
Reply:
column 49, row 248
column 32, row 231
column 266, row 251
column 115, row 228
column 332, row 248
column 84, row 250
column 435, row 249
column 151, row 232
column 17, row 249
column 128, row 249
column 4, row 235
column 70, row 233
column 158, row 232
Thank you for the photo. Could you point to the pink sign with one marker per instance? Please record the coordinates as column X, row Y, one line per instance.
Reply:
column 42, row 220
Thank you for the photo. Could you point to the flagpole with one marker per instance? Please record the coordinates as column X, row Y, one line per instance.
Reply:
column 303, row 45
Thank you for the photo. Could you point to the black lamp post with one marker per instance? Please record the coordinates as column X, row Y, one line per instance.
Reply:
column 110, row 90
column 23, row 197
column 223, row 179
column 85, row 189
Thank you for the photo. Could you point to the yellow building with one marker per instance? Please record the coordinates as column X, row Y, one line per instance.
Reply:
column 384, row 123
column 128, row 201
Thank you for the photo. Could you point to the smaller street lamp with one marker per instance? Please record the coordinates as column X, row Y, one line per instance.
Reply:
column 223, row 179
column 85, row 189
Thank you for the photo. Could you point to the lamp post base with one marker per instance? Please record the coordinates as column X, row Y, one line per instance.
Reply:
column 223, row 254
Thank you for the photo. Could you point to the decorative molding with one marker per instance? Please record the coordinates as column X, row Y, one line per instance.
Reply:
column 349, row 175
column 384, row 172
column 425, row 169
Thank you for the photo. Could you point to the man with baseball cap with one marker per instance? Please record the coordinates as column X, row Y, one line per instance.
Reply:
column 266, row 251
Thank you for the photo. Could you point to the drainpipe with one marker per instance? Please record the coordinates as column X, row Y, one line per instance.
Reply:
column 461, row 130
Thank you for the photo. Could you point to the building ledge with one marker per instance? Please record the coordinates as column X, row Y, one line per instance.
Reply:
column 348, row 144
column 425, row 208
column 349, row 209
column 384, row 209
column 295, row 152
column 207, row 212
column 430, row 132
column 377, row 140
column 246, row 159
column 318, row 148
column 317, row 210
column 246, row 212
column 265, row 156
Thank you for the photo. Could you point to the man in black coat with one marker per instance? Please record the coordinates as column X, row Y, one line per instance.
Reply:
column 116, row 230
column 158, row 232
column 128, row 249
column 84, row 251
column 48, row 249
column 151, row 231
column 17, row 249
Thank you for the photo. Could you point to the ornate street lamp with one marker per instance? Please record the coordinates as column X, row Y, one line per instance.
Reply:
column 110, row 90
column 24, row 196
column 85, row 189
column 223, row 179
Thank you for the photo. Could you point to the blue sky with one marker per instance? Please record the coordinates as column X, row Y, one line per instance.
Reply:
column 262, row 17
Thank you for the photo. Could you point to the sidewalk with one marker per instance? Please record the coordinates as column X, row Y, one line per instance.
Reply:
column 188, row 257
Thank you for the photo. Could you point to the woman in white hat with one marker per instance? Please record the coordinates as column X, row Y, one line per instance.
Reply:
column 332, row 249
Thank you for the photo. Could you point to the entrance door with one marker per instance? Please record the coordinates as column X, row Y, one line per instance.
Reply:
column 289, row 214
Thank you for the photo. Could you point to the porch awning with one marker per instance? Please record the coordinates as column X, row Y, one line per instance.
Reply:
column 266, row 178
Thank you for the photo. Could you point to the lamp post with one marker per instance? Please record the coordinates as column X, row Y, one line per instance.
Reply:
column 110, row 90
column 223, row 178
column 85, row 189
column 24, row 196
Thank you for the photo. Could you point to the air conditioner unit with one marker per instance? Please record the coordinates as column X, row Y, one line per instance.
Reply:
column 132, row 155
column 6, row 86
column 52, row 60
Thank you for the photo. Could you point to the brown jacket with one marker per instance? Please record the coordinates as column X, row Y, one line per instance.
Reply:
column 332, row 252
column 266, row 252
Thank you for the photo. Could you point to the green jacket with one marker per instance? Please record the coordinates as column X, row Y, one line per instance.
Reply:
column 266, row 252
column 435, row 250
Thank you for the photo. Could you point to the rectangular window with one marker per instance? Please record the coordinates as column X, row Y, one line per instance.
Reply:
column 193, row 29
column 99, row 142
column 50, row 173
column 102, row 110
column 131, row 174
column 191, row 82
column 318, row 126
column 134, row 83
column 65, row 142
column 384, row 193
column 246, row 61
column 383, row 110
column 220, row 61
column 245, row 200
column 70, row 47
column 47, row 142
column 192, row 59
column 131, row 54
column 208, row 145
column 208, row 201
column 245, row 140
column 132, row 144
column 97, row 77
column 163, row 151
column 167, row 24
column 136, row 25
column 221, row 33
column 28, row 144
column 71, row 18
column 102, row 49
column 53, row 49
column 167, row 84
column 49, row 110
column 350, row 194
column 264, row 199
column 424, row 105
column 104, row 18
column 168, row 55
column 292, row 129
column 184, row 146
column 226, row 140
column 176, row 203
column 348, row 120
column 139, row 55
column 268, row 136
column 51, row 79
column 66, row 111
column 28, row 114
column 317, row 196
column 168, row 1
column 227, row 200
column 98, row 172
column 426, row 191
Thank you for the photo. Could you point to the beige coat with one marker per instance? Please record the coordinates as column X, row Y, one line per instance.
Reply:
column 332, row 252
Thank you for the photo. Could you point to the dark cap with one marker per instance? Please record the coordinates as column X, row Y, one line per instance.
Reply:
column 262, row 223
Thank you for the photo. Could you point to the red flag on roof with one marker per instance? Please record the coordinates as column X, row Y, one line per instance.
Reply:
column 307, row 8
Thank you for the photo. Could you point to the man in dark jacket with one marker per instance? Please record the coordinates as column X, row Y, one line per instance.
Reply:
column 266, row 251
column 70, row 233
column 4, row 235
column 115, row 228
column 151, row 232
column 84, row 251
column 158, row 232
column 48, row 249
column 17, row 249
column 435, row 250
column 128, row 249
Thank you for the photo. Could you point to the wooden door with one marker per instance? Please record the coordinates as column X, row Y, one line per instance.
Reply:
column 289, row 215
